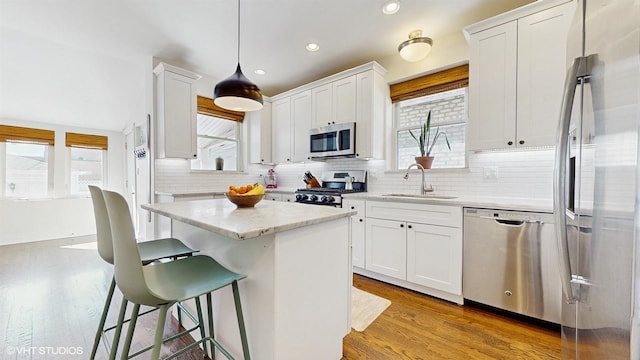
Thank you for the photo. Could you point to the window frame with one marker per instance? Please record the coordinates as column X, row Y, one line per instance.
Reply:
column 237, row 140
column 433, row 83
column 397, row 129
column 19, row 134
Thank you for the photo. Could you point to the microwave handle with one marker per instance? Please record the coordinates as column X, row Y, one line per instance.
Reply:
column 340, row 135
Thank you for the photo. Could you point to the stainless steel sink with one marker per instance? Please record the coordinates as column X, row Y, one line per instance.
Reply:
column 417, row 196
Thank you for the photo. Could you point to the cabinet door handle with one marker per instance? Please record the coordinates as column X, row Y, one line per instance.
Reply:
column 361, row 220
column 401, row 225
column 409, row 226
column 353, row 208
column 521, row 142
column 510, row 143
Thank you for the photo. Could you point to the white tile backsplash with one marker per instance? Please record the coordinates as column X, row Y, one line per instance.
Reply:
column 520, row 174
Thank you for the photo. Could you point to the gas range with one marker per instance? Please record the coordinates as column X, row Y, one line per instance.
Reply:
column 334, row 185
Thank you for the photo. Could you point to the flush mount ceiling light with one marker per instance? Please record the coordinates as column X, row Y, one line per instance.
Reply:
column 259, row 72
column 416, row 48
column 391, row 7
column 237, row 92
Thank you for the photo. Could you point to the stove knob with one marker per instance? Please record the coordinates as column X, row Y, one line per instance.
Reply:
column 299, row 197
column 328, row 199
column 314, row 198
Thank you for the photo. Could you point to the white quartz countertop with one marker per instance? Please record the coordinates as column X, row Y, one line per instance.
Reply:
column 488, row 202
column 267, row 217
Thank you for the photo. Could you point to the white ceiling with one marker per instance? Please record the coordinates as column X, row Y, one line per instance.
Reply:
column 85, row 62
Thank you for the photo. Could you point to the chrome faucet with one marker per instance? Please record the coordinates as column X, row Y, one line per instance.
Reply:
column 423, row 190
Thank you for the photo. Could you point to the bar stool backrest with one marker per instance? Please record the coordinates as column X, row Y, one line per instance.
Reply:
column 103, row 228
column 127, row 263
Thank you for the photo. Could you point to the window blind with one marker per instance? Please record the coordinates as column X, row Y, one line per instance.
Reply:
column 208, row 107
column 445, row 80
column 86, row 141
column 17, row 133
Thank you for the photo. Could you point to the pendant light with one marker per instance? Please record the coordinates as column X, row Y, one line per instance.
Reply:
column 237, row 92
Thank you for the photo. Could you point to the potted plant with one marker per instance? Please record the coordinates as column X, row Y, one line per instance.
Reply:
column 426, row 142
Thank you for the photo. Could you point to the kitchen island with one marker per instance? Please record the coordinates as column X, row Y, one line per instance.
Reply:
column 296, row 297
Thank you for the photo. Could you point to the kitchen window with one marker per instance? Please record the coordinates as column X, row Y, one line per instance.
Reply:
column 87, row 162
column 218, row 136
column 444, row 93
column 28, row 156
column 218, row 144
column 448, row 115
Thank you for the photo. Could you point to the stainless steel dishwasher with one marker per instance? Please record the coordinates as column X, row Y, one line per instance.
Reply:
column 510, row 262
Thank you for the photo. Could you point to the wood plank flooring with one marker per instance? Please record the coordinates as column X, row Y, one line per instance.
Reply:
column 52, row 293
column 417, row 326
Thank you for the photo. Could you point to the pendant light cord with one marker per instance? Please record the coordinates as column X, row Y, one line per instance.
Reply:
column 238, row 32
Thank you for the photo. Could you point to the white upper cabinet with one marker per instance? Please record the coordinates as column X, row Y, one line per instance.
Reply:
column 542, row 64
column 357, row 95
column 334, row 103
column 281, row 130
column 176, row 110
column 372, row 107
column 344, row 100
column 300, row 125
column 321, row 105
column 516, row 74
column 259, row 126
column 492, row 87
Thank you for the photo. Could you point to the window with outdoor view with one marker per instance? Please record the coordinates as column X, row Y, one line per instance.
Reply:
column 218, row 144
column 218, row 137
column 448, row 118
column 444, row 95
column 87, row 155
column 28, row 155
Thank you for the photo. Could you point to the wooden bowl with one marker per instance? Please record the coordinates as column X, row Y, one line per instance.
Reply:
column 243, row 201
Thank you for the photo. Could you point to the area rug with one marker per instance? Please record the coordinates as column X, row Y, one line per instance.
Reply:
column 365, row 308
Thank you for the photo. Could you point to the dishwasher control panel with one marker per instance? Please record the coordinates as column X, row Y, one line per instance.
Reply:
column 509, row 215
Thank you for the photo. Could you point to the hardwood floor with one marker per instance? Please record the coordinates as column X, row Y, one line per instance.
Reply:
column 417, row 326
column 52, row 293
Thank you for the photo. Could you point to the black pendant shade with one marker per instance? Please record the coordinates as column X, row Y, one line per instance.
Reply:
column 237, row 93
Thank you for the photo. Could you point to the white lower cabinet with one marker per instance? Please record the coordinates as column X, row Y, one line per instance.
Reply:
column 386, row 247
column 434, row 257
column 357, row 231
column 418, row 246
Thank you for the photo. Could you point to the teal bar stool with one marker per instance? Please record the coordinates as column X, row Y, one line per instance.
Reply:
column 163, row 284
column 150, row 251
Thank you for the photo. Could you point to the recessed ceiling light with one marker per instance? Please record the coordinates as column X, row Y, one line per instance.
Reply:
column 260, row 72
column 391, row 7
column 313, row 47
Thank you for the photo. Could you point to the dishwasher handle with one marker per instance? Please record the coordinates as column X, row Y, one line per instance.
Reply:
column 511, row 222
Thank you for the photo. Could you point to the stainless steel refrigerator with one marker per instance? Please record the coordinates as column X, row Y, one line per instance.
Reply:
column 596, row 183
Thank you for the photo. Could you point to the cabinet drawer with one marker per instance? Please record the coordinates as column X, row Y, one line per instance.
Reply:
column 443, row 215
column 357, row 205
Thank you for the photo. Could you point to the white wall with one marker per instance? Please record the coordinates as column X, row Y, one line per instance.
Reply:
column 59, row 215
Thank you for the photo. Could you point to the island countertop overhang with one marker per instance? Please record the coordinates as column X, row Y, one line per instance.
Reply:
column 267, row 217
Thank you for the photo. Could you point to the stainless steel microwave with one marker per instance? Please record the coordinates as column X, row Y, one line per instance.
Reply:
column 338, row 140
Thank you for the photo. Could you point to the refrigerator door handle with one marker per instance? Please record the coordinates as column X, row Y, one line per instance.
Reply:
column 578, row 73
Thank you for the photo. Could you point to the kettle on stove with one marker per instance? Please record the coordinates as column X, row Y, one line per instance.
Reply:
column 348, row 182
